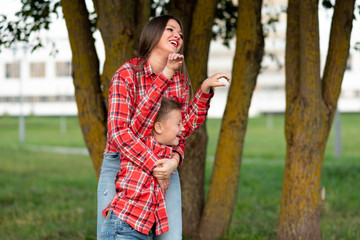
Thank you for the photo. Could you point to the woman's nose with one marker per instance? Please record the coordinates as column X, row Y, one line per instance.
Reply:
column 177, row 35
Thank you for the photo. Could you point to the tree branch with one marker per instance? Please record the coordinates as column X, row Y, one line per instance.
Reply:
column 338, row 52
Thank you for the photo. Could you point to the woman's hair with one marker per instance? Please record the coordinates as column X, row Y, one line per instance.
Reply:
column 150, row 37
column 167, row 105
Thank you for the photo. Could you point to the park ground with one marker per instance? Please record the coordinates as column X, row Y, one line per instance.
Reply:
column 48, row 185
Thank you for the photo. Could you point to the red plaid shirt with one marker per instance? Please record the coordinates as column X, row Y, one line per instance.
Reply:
column 134, row 100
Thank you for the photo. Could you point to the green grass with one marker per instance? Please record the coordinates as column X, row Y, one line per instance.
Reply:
column 46, row 195
column 41, row 131
column 265, row 138
column 259, row 196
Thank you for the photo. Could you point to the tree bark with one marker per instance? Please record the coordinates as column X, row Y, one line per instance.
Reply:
column 120, row 23
column 310, row 107
column 225, row 177
column 85, row 64
column 192, row 172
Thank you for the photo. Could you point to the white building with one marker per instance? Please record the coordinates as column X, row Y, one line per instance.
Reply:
column 44, row 84
column 269, row 93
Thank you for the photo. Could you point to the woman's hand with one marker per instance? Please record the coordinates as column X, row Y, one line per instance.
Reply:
column 162, row 171
column 174, row 63
column 213, row 81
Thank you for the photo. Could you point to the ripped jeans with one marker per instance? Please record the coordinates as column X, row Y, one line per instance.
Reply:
column 106, row 192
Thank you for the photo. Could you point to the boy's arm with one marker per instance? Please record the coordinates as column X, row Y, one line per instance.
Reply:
column 199, row 106
column 197, row 112
column 193, row 117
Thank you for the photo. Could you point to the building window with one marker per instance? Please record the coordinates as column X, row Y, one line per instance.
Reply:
column 349, row 63
column 63, row 69
column 13, row 70
column 37, row 70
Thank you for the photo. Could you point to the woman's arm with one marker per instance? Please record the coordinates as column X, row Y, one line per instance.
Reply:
column 121, row 109
column 147, row 109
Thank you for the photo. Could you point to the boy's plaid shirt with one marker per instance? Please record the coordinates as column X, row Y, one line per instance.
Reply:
column 134, row 100
column 139, row 200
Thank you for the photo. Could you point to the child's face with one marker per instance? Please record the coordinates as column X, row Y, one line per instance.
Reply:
column 172, row 128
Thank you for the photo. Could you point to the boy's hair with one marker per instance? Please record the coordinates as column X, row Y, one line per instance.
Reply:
column 167, row 105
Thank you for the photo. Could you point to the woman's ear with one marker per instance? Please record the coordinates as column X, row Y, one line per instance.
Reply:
column 158, row 128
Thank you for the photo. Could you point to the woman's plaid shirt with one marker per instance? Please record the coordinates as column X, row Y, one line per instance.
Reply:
column 134, row 100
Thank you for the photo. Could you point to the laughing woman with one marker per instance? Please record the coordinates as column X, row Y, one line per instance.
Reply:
column 158, row 72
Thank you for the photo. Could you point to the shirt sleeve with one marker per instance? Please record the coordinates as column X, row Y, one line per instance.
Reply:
column 146, row 111
column 121, row 111
column 193, row 116
column 197, row 112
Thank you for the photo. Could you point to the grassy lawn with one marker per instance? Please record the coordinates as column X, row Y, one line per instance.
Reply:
column 46, row 195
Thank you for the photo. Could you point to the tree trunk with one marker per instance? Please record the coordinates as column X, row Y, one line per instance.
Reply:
column 310, row 107
column 225, row 177
column 193, row 170
column 197, row 31
column 120, row 24
column 85, row 64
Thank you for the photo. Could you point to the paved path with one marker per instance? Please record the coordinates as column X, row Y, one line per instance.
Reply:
column 64, row 150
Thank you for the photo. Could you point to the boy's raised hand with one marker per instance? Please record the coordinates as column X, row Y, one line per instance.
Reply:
column 213, row 81
column 174, row 62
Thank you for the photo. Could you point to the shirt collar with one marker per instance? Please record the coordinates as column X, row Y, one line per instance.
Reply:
column 149, row 72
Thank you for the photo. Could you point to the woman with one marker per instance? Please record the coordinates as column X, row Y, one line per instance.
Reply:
column 158, row 72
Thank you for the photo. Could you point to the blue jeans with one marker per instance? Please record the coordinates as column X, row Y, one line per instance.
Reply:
column 106, row 185
column 173, row 209
column 115, row 229
column 106, row 192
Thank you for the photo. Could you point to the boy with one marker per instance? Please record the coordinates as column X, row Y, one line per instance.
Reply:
column 138, row 193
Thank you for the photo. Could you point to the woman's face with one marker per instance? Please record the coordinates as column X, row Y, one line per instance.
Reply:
column 171, row 39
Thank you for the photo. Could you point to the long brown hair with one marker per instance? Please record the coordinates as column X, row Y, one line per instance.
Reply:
column 151, row 35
